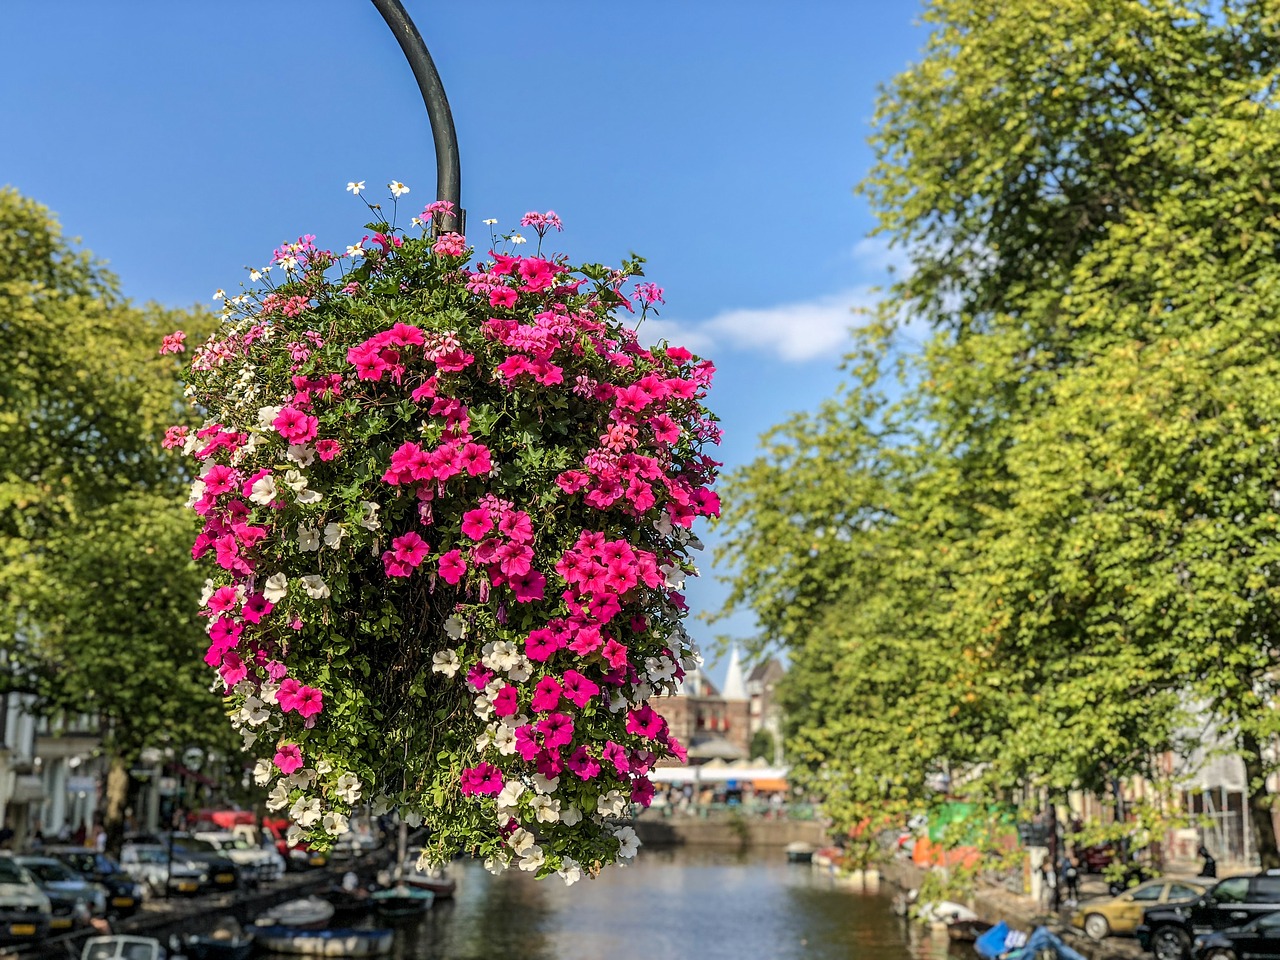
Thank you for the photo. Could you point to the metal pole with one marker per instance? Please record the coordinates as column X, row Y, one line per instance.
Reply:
column 448, row 166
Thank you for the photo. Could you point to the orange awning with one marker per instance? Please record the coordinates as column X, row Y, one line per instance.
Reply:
column 769, row 784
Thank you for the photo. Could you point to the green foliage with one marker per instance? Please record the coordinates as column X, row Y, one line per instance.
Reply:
column 95, row 572
column 1059, row 538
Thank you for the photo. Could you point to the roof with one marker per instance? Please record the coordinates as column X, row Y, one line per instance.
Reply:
column 735, row 688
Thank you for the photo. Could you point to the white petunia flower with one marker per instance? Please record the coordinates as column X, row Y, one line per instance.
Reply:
column 483, row 741
column 249, row 738
column 522, row 670
column 307, row 497
column 253, row 712
column 315, row 586
column 263, row 490
column 520, row 841
column 293, row 834
column 381, row 804
column 610, row 804
column 570, row 871
column 546, row 809
column 333, row 534
column 207, row 593
column 355, row 186
column 369, row 515
column 266, row 415
column 309, row 538
column 397, row 189
column 496, row 864
column 504, row 739
column 335, row 824
column 295, row 481
column 509, row 798
column 630, row 843
column 570, row 815
column 545, row 784
column 302, row 779
column 674, row 576
column 347, row 789
column 533, row 859
column 305, row 812
column 276, row 587
column 263, row 771
column 446, row 661
column 301, row 454
column 278, row 798
column 454, row 627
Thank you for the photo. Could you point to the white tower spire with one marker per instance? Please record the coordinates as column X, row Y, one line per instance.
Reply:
column 735, row 687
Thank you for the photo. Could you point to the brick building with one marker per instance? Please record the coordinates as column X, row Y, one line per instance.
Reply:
column 709, row 722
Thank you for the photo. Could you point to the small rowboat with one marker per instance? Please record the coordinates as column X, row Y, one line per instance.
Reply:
column 326, row 943
column 308, row 913
column 402, row 901
column 433, row 878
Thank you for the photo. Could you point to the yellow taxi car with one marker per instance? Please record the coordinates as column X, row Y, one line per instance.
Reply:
column 1122, row 913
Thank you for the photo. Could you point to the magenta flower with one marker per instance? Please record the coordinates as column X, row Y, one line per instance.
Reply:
column 410, row 549
column 452, row 566
column 578, row 689
column 546, row 695
column 582, row 765
column 328, row 449
column 478, row 676
column 256, row 607
column 288, row 759
column 507, row 702
column 542, row 643
column 174, row 342
column 295, row 426
column 394, row 567
column 484, row 779
column 450, row 245
column 645, row 721
column 641, row 791
column 556, row 730
column 310, row 701
column 287, row 694
column 615, row 653
column 476, row 523
column 526, row 742
column 617, row 755
column 223, row 599
column 528, row 587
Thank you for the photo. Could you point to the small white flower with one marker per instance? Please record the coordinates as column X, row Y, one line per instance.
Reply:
column 369, row 515
column 219, row 294
column 610, row 804
column 301, row 779
column 309, row 539
column 496, row 864
column 570, row 871
column 355, row 250
column 446, row 661
column 546, row 809
column 301, row 454
column 278, row 798
column 509, row 798
column 355, row 186
column 276, row 587
column 504, row 739
column 454, row 627
column 293, row 834
column 315, row 586
column 397, row 189
column 381, row 804
column 267, row 414
column 533, row 859
column 333, row 534
column 490, row 221
column 347, row 789
column 521, row 841
column 263, row 490
column 295, row 481
column 207, row 593
column 255, row 275
column 323, row 766
column 305, row 812
column 516, row 238
column 308, row 497
column 415, row 221
column 189, row 445
column 629, row 842
column 545, row 784
column 663, row 525
column 335, row 824
column 570, row 815
column 288, row 263
column 263, row 771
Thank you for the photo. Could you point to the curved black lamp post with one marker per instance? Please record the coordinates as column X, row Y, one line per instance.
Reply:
column 448, row 166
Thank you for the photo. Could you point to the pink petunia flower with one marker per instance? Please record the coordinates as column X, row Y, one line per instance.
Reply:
column 328, row 449
column 452, row 566
column 578, row 689
column 507, row 702
column 310, row 701
column 546, row 695
column 288, row 759
column 295, row 426
column 582, row 765
column 556, row 730
column 174, row 342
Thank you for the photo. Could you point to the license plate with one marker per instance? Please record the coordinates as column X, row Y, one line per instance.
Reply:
column 60, row 923
column 122, row 901
column 22, row 930
column 318, row 861
column 225, row 878
column 188, row 887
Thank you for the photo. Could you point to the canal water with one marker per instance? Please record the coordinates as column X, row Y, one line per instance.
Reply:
column 697, row 904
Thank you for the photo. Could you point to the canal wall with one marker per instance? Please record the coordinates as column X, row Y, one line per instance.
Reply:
column 727, row 831
column 994, row 904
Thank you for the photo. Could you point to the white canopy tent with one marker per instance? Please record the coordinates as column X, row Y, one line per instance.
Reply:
column 716, row 774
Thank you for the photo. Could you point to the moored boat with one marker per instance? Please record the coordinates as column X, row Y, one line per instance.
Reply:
column 435, row 878
column 402, row 901
column 799, row 852
column 307, row 913
column 326, row 943
column 122, row 948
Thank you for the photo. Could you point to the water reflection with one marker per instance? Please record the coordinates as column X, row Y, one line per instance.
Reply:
column 696, row 903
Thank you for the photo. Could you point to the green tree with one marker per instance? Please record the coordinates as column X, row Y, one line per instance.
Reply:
column 97, row 586
column 1064, row 530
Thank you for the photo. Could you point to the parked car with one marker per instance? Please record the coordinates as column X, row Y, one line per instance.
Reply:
column 148, row 863
column 298, row 856
column 1168, row 929
column 222, row 872
column 259, row 864
column 73, row 900
column 124, row 893
column 25, row 911
column 1121, row 914
column 1257, row 939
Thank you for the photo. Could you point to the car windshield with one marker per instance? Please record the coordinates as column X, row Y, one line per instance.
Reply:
column 49, row 871
column 10, row 872
column 148, row 854
column 192, row 845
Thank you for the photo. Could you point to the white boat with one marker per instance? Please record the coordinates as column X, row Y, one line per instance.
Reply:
column 122, row 948
column 326, row 943
column 308, row 913
column 437, row 879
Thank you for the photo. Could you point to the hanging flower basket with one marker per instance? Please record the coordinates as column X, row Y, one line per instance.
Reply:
column 447, row 506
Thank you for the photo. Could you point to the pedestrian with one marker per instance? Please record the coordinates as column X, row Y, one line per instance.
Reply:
column 1048, row 883
column 1210, row 866
column 1071, row 879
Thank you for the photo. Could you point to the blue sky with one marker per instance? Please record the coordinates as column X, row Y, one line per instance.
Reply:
column 183, row 141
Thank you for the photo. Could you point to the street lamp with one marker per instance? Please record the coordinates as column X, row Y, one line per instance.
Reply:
column 448, row 166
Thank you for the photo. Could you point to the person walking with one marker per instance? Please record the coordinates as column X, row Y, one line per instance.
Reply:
column 1210, row 866
column 1071, row 879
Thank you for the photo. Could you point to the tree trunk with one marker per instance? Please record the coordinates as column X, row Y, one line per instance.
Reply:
column 1264, row 831
column 117, row 797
